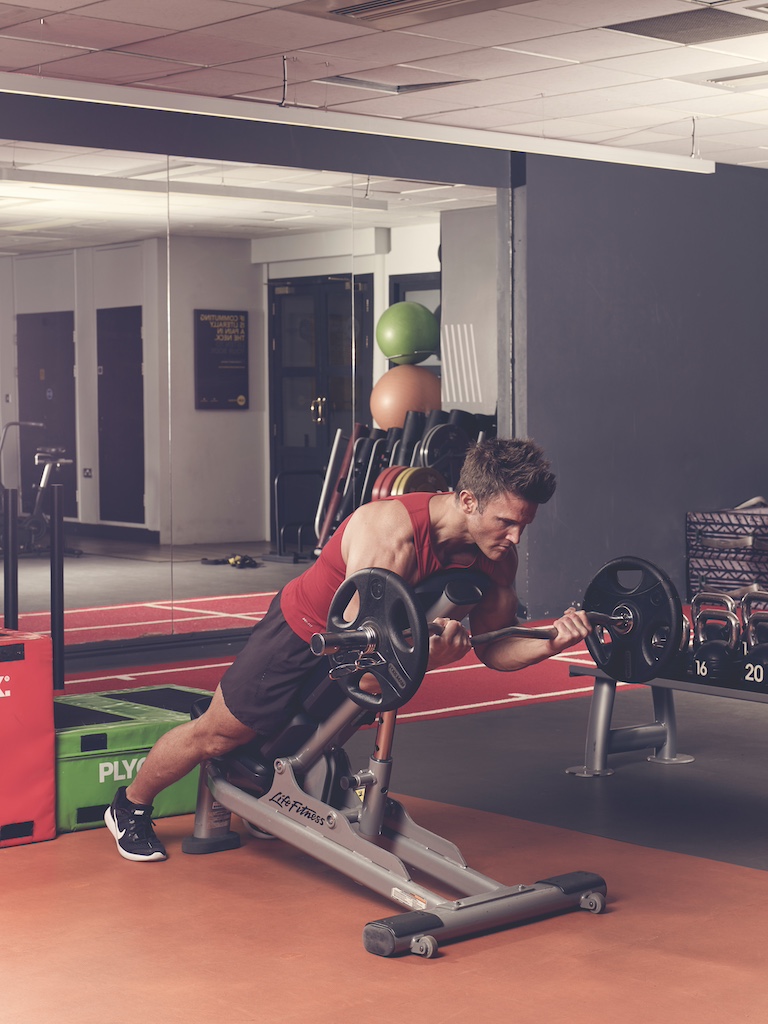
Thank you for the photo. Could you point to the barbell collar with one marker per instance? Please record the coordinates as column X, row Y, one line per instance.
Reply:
column 362, row 641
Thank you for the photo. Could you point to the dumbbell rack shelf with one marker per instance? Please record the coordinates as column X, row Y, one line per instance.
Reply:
column 661, row 734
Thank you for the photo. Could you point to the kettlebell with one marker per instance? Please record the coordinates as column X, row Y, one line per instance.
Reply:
column 748, row 602
column 754, row 672
column 714, row 659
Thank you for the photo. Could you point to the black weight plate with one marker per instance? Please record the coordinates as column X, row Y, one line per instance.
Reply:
column 443, row 449
column 656, row 636
column 387, row 605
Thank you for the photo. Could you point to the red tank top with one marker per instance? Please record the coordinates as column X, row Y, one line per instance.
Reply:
column 305, row 600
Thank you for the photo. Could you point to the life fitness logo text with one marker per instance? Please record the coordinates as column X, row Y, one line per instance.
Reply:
column 3, row 691
column 287, row 803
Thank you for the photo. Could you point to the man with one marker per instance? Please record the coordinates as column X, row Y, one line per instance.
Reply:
column 478, row 526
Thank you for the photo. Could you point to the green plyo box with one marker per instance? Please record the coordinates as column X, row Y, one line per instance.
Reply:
column 102, row 740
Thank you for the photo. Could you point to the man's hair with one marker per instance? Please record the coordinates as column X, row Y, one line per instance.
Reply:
column 503, row 465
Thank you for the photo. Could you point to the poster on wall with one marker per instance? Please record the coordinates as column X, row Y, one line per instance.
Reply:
column 221, row 359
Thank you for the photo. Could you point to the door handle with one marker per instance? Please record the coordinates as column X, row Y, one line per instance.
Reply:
column 317, row 409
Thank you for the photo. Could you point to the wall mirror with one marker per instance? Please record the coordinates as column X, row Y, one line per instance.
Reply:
column 193, row 332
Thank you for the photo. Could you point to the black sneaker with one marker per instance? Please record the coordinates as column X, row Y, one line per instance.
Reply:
column 131, row 825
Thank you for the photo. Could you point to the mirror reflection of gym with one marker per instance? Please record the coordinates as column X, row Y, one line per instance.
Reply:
column 128, row 245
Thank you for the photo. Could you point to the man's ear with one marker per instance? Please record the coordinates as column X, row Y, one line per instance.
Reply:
column 467, row 502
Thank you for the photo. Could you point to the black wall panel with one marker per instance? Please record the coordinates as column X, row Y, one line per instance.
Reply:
column 647, row 355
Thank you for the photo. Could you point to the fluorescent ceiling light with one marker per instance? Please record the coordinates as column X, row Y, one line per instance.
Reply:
column 744, row 80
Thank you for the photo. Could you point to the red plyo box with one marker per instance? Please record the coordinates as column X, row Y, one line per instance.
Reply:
column 27, row 739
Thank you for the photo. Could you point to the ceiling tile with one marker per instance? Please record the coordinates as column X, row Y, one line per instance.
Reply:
column 485, row 63
column 99, row 162
column 198, row 46
column 678, row 147
column 674, row 62
column 285, row 31
column 31, row 6
column 592, row 44
column 595, row 13
column 565, row 105
column 722, row 103
column 13, row 15
column 404, row 75
column 478, row 117
column 757, row 136
column 16, row 54
column 569, row 78
column 487, row 28
column 107, row 66
column 754, row 47
column 74, row 30
column 381, row 48
column 753, row 117
column 174, row 14
column 559, row 128
column 657, row 118
column 207, row 82
column 303, row 65
column 657, row 142
column 661, row 90
column 309, row 94
column 404, row 105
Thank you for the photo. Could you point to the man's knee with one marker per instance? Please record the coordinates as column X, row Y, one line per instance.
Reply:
column 217, row 745
column 217, row 731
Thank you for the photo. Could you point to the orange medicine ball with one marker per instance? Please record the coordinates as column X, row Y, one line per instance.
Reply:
column 402, row 389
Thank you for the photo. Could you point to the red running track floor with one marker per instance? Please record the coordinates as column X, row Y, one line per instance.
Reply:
column 467, row 687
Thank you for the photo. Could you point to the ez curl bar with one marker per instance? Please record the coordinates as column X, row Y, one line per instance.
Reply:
column 641, row 631
column 366, row 638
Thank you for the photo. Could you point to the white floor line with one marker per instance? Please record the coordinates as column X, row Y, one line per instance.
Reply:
column 128, row 677
column 513, row 698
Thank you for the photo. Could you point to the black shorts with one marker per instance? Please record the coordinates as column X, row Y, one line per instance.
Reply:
column 263, row 685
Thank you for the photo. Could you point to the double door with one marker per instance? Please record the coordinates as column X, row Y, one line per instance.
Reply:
column 47, row 383
column 321, row 364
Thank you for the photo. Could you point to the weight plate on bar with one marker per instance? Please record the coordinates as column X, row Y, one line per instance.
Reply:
column 387, row 606
column 656, row 635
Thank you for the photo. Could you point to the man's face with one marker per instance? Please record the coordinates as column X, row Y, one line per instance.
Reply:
column 501, row 523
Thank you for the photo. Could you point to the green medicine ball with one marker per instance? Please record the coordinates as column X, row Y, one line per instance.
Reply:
column 408, row 332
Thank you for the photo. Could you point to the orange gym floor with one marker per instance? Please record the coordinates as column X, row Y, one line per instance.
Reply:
column 263, row 934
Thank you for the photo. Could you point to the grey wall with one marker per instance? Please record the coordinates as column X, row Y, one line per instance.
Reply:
column 647, row 359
